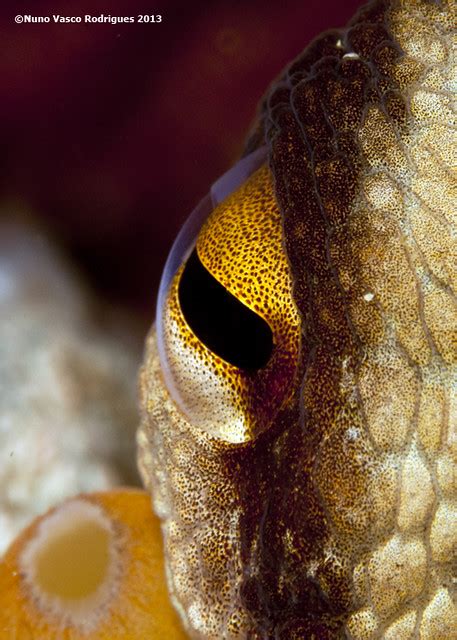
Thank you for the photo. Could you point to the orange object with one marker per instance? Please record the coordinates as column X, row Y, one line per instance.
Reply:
column 90, row 568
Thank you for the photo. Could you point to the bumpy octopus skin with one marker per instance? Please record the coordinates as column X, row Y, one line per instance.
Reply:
column 316, row 496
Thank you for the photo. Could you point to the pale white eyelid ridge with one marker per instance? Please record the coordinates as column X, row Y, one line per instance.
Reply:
column 186, row 238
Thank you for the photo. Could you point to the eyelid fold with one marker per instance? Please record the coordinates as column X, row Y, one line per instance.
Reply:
column 187, row 237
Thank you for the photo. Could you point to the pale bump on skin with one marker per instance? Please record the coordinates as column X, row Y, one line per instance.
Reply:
column 91, row 567
column 386, row 466
column 402, row 628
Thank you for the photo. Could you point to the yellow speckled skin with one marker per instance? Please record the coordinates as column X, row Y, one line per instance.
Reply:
column 241, row 245
column 317, row 497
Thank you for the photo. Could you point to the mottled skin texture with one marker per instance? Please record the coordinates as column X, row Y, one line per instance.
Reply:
column 332, row 514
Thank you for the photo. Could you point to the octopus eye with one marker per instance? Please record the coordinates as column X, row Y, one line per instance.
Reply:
column 227, row 327
column 220, row 321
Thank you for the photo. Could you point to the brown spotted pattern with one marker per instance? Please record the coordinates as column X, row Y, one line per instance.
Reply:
column 337, row 516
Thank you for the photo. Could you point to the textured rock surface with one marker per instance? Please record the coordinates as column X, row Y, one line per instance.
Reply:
column 67, row 386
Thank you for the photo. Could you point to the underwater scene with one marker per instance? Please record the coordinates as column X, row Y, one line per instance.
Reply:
column 228, row 320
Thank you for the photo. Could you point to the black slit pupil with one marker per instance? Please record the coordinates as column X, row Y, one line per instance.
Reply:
column 224, row 324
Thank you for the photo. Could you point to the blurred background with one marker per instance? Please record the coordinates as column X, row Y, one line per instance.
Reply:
column 111, row 134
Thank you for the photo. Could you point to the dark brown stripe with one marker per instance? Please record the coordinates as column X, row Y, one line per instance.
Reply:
column 310, row 120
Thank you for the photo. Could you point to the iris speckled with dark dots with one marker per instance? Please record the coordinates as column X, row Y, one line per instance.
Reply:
column 241, row 246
